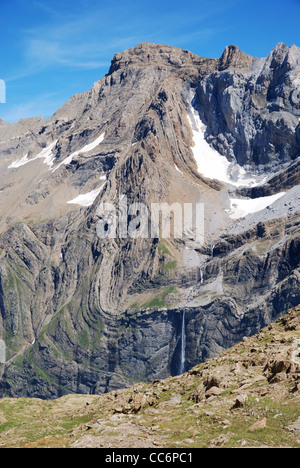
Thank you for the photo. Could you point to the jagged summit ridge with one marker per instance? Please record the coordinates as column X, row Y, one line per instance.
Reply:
column 149, row 54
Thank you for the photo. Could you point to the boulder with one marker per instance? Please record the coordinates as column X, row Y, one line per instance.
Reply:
column 240, row 401
column 213, row 392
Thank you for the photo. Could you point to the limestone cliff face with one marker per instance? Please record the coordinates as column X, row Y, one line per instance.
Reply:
column 87, row 315
column 253, row 113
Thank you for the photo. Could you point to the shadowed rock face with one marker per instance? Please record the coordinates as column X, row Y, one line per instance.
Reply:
column 253, row 113
column 86, row 315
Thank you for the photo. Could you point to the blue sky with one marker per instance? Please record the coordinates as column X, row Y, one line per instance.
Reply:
column 51, row 50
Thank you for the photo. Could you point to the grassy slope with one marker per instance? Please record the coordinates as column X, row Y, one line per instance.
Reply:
column 263, row 372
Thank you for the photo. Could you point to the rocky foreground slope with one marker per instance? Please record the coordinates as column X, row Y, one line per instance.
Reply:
column 247, row 397
column 80, row 314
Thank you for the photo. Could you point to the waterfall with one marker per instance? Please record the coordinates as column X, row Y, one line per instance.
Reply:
column 183, row 345
column 212, row 250
column 2, row 352
column 201, row 276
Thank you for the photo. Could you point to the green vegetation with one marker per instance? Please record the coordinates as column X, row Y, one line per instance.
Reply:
column 176, row 412
column 159, row 301
column 27, row 417
column 170, row 266
column 84, row 338
column 163, row 250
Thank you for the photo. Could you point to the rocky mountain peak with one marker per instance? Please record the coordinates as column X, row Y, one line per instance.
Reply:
column 156, row 55
column 280, row 48
column 285, row 59
column 233, row 57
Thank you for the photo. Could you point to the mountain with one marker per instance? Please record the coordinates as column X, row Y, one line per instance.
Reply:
column 247, row 397
column 85, row 313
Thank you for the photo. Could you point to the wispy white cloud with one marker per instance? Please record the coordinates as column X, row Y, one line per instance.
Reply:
column 44, row 53
column 42, row 105
column 74, row 36
column 87, row 40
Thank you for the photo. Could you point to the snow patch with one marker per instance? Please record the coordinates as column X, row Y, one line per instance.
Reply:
column 45, row 154
column 85, row 149
column 19, row 162
column 242, row 207
column 178, row 170
column 86, row 199
column 212, row 164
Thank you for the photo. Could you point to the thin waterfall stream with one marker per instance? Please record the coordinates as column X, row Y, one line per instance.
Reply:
column 201, row 276
column 183, row 345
